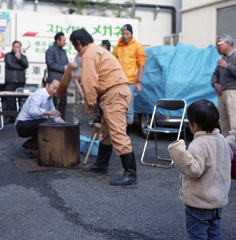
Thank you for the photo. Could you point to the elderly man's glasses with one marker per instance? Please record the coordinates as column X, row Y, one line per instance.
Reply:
column 220, row 43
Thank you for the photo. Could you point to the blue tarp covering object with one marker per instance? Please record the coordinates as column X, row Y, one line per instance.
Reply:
column 177, row 72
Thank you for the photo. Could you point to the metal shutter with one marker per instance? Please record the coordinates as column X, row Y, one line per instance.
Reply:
column 226, row 21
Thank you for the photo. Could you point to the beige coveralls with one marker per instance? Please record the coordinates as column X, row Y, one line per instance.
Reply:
column 102, row 75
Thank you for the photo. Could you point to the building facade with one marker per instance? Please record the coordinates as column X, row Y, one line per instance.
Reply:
column 203, row 20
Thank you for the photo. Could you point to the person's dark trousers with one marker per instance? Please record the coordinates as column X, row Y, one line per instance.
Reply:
column 104, row 155
column 11, row 102
column 130, row 173
column 62, row 105
column 30, row 129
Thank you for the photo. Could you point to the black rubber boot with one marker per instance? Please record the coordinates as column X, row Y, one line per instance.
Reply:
column 101, row 164
column 130, row 174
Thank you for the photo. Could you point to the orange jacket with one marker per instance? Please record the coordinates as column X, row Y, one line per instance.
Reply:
column 131, row 56
column 100, row 71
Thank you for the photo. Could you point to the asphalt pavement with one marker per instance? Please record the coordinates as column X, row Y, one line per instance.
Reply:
column 72, row 204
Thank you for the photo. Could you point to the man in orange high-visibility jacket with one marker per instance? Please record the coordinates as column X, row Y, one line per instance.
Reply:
column 131, row 56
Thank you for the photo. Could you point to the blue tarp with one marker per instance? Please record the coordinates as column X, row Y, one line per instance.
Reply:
column 177, row 72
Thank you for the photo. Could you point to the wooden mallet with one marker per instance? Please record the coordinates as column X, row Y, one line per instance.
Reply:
column 95, row 136
column 66, row 80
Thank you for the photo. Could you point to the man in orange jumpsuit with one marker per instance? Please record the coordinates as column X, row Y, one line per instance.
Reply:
column 102, row 76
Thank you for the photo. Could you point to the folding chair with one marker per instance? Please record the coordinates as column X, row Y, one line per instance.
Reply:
column 23, row 90
column 165, row 104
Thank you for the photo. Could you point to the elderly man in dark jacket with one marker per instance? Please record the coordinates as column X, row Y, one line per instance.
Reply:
column 15, row 65
column 57, row 62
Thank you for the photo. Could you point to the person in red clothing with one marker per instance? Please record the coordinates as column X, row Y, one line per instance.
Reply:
column 132, row 57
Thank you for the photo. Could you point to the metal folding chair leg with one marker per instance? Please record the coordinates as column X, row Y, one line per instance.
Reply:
column 164, row 159
column 170, row 105
column 17, row 105
column 157, row 157
column 144, row 150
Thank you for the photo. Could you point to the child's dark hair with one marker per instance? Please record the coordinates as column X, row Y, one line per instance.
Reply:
column 204, row 113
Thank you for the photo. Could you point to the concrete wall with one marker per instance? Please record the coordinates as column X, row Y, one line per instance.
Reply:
column 196, row 3
column 199, row 21
column 198, row 27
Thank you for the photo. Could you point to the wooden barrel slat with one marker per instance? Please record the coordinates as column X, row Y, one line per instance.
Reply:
column 58, row 145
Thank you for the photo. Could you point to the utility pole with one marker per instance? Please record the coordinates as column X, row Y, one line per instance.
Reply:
column 133, row 9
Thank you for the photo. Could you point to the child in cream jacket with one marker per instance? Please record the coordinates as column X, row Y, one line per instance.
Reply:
column 205, row 170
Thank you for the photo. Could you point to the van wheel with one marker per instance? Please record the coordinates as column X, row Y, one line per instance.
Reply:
column 144, row 120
